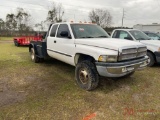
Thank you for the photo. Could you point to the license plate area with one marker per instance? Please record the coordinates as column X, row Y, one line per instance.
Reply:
column 127, row 69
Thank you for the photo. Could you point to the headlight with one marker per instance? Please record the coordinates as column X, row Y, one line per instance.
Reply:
column 107, row 58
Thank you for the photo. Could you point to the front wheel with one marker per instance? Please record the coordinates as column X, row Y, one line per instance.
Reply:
column 34, row 58
column 151, row 59
column 86, row 75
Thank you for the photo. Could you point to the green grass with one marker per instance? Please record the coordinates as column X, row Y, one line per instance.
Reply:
column 6, row 38
column 48, row 91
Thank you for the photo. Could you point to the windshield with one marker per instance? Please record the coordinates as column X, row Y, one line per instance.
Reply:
column 88, row 31
column 138, row 35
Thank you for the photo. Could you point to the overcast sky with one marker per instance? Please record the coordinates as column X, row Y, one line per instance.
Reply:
column 136, row 11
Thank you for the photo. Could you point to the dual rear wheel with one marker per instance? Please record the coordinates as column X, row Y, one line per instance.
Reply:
column 34, row 57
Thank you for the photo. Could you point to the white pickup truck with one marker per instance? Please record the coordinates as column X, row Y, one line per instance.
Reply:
column 89, row 48
column 153, row 46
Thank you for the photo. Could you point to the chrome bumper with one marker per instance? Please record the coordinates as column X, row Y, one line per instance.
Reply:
column 120, row 69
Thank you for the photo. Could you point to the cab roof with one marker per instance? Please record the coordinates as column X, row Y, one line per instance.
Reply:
column 75, row 23
column 127, row 29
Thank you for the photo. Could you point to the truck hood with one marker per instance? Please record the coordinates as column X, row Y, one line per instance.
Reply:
column 155, row 43
column 108, row 43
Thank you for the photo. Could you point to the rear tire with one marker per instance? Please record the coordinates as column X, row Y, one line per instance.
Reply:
column 86, row 75
column 34, row 58
column 16, row 43
column 151, row 59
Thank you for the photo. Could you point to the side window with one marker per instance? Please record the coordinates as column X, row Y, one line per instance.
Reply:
column 115, row 35
column 53, row 31
column 125, row 35
column 63, row 28
column 152, row 35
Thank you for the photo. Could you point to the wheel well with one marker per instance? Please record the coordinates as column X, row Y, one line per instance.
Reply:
column 152, row 54
column 30, row 46
column 82, row 57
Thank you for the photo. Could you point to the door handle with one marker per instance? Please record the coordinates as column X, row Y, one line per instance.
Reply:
column 55, row 41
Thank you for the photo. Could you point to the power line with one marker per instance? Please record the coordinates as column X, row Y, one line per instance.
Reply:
column 68, row 13
column 57, row 2
column 24, row 8
column 46, row 6
column 32, row 9
column 41, row 6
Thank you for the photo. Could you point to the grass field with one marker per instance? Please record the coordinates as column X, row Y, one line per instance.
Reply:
column 6, row 38
column 47, row 91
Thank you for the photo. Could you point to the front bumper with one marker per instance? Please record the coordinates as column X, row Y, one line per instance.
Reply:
column 157, row 54
column 120, row 69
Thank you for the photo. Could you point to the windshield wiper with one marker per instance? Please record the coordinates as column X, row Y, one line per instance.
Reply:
column 144, row 39
column 86, row 37
column 102, row 36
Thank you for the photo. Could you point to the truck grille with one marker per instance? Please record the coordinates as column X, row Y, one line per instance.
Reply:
column 132, row 53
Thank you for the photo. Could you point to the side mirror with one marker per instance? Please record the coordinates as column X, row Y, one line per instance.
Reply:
column 65, row 34
column 128, row 38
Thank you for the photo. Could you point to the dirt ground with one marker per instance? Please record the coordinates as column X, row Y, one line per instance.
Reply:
column 48, row 91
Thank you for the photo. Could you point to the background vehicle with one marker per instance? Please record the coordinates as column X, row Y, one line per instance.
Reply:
column 154, row 27
column 152, row 35
column 89, row 48
column 153, row 46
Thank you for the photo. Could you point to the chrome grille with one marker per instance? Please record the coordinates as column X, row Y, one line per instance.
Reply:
column 131, row 53
column 142, row 51
column 131, row 50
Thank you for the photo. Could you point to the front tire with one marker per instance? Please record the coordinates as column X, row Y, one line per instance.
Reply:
column 86, row 75
column 151, row 59
column 34, row 58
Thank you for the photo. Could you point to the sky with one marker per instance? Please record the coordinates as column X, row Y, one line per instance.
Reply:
column 135, row 11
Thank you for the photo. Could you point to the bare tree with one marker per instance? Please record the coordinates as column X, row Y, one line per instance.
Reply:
column 60, row 13
column 23, row 19
column 101, row 17
column 40, row 26
column 11, row 23
column 55, row 14
column 2, row 25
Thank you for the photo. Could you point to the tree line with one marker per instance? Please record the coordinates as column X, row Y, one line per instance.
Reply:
column 20, row 23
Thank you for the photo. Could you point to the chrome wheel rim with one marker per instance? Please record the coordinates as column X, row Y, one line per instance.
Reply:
column 149, row 60
column 32, row 55
column 83, row 76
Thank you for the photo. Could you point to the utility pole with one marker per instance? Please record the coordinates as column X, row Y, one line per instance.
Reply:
column 123, row 17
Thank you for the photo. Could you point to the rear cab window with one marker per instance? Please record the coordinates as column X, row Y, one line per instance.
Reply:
column 53, row 30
